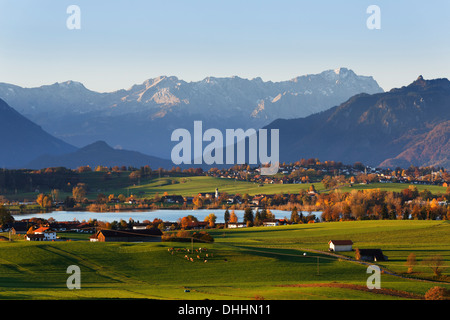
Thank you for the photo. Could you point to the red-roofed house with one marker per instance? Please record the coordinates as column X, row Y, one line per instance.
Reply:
column 42, row 234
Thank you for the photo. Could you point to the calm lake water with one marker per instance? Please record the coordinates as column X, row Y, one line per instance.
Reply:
column 165, row 215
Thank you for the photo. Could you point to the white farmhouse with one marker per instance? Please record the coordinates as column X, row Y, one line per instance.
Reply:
column 271, row 223
column 42, row 234
column 236, row 225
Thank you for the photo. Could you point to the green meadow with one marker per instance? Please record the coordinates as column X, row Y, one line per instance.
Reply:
column 188, row 185
column 192, row 185
column 285, row 262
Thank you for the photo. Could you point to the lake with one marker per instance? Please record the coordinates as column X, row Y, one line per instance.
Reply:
column 165, row 215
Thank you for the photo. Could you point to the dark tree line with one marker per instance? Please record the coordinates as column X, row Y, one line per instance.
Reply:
column 30, row 180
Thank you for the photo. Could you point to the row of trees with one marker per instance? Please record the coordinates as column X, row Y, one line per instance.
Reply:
column 378, row 204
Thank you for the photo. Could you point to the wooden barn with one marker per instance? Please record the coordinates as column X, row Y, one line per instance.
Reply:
column 340, row 245
column 145, row 235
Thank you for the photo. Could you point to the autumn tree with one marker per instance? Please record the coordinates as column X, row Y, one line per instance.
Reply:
column 233, row 217
column 437, row 293
column 436, row 264
column 101, row 169
column 44, row 200
column 198, row 201
column 187, row 221
column 79, row 192
column 211, row 219
column 123, row 224
column 411, row 262
column 327, row 182
column 155, row 223
column 84, row 169
column 161, row 226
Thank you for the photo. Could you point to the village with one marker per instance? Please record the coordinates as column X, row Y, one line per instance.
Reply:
column 313, row 170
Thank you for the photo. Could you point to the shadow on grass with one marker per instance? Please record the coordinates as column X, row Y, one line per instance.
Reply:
column 289, row 255
column 256, row 230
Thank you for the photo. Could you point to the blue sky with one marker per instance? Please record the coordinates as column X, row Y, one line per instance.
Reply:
column 122, row 43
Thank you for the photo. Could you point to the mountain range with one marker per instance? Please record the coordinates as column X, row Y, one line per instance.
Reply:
column 403, row 127
column 143, row 117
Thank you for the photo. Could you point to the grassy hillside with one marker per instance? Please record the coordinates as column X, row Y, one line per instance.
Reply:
column 267, row 262
column 185, row 185
column 190, row 186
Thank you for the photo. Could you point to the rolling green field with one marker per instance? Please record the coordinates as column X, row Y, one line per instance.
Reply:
column 191, row 186
column 245, row 264
column 185, row 185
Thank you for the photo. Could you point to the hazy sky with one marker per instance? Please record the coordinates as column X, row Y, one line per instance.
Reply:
column 122, row 43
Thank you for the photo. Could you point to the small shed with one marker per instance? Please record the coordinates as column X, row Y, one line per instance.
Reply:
column 370, row 255
column 340, row 245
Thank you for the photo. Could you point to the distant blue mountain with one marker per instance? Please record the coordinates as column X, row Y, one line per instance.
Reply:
column 99, row 154
column 21, row 140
